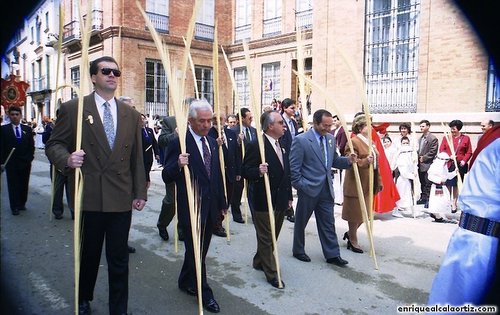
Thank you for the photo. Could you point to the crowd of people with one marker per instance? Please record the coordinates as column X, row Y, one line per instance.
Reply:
column 120, row 147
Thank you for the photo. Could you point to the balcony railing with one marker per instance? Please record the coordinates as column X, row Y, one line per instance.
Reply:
column 272, row 27
column 39, row 84
column 204, row 32
column 242, row 33
column 159, row 21
column 304, row 20
column 72, row 29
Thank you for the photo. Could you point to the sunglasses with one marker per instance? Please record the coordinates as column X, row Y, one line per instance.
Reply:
column 107, row 71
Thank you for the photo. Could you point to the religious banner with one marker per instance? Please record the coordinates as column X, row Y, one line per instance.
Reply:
column 13, row 92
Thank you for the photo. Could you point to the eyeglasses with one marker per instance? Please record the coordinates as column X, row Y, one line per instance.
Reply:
column 107, row 71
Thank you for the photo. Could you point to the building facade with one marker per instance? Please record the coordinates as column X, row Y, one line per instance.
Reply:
column 419, row 59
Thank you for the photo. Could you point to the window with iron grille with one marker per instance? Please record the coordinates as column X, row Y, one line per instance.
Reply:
column 493, row 89
column 391, row 55
column 205, row 21
column 242, row 88
column 156, row 89
column 205, row 81
column 270, row 86
column 75, row 80
column 272, row 18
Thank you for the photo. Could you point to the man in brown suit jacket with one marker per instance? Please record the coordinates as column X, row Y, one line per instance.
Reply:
column 111, row 161
column 427, row 150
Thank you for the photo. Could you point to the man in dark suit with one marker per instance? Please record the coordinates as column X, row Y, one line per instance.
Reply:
column 245, row 136
column 149, row 148
column 202, row 159
column 278, row 168
column 112, row 164
column 311, row 159
column 167, row 213
column 427, row 151
column 341, row 140
column 18, row 136
column 291, row 131
column 232, row 162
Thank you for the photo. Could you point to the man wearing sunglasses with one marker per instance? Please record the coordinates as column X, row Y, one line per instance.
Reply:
column 111, row 160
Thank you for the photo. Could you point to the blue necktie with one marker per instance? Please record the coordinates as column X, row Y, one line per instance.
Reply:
column 18, row 134
column 109, row 126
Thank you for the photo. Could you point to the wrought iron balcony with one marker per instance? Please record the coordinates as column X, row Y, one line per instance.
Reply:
column 272, row 27
column 242, row 32
column 304, row 20
column 159, row 21
column 72, row 29
column 204, row 32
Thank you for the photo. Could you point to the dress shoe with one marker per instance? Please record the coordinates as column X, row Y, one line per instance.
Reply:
column 354, row 249
column 220, row 232
column 15, row 211
column 23, row 208
column 163, row 233
column 58, row 216
column 337, row 261
column 302, row 257
column 211, row 306
column 131, row 249
column 421, row 201
column 189, row 290
column 290, row 218
column 238, row 220
column 275, row 283
column 84, row 308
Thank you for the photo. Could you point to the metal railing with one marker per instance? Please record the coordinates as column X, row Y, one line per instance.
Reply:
column 242, row 33
column 272, row 27
column 159, row 21
column 304, row 20
column 204, row 32
column 72, row 29
column 39, row 84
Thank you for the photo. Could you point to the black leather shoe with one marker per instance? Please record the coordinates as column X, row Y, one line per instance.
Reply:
column 354, row 249
column 238, row 220
column 258, row 268
column 58, row 216
column 220, row 232
column 163, row 233
column 131, row 249
column 302, row 257
column 291, row 218
column 421, row 201
column 337, row 261
column 188, row 290
column 23, row 208
column 15, row 211
column 84, row 308
column 211, row 306
column 275, row 283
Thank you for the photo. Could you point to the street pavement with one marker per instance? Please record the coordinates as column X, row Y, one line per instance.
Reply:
column 37, row 273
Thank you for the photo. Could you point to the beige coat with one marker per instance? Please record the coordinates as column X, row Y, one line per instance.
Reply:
column 112, row 178
column 351, row 210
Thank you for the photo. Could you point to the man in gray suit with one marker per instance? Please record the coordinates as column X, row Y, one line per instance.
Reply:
column 427, row 150
column 312, row 156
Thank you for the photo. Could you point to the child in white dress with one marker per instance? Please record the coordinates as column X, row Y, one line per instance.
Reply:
column 439, row 198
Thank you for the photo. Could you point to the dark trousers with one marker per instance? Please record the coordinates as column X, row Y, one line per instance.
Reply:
column 167, row 206
column 187, row 277
column 425, row 185
column 264, row 258
column 18, row 178
column 114, row 228
column 60, row 184
column 236, row 198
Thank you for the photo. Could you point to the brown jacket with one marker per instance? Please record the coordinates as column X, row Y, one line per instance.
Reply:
column 112, row 179
column 361, row 149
